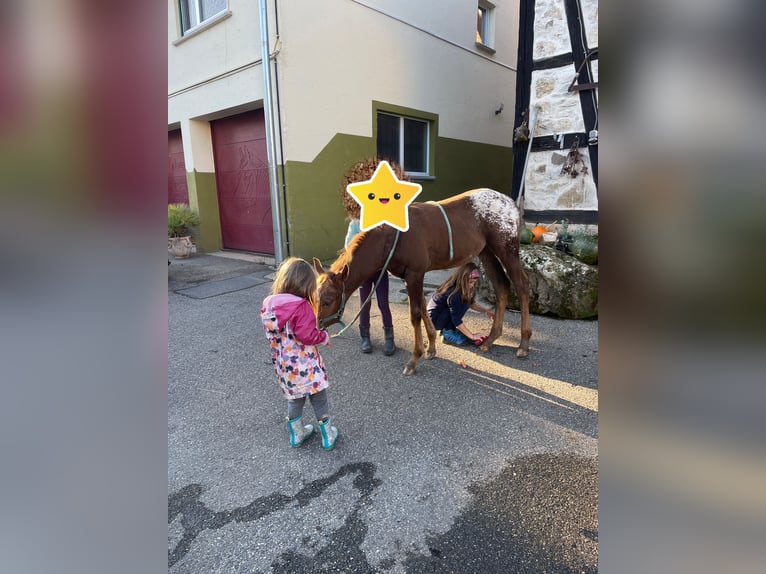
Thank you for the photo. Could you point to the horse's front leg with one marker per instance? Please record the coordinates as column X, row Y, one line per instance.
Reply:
column 415, row 294
column 430, row 330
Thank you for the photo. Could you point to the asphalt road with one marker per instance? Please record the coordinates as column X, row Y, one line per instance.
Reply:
column 480, row 462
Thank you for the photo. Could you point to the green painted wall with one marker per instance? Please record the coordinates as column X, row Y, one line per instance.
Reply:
column 461, row 165
column 316, row 220
column 203, row 197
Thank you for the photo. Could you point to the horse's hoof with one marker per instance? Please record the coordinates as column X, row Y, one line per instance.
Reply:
column 522, row 353
column 408, row 370
column 431, row 353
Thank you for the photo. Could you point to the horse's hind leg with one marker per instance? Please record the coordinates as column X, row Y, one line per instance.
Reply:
column 520, row 282
column 522, row 291
column 500, row 284
column 430, row 331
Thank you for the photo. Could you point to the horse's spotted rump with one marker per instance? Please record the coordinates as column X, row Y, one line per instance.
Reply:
column 500, row 209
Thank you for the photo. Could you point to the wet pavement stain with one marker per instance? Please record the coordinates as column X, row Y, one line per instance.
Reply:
column 196, row 517
column 540, row 514
column 342, row 553
column 534, row 517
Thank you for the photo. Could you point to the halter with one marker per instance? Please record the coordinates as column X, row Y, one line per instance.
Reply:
column 339, row 313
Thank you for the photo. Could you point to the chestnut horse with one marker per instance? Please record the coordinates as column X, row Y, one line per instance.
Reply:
column 441, row 235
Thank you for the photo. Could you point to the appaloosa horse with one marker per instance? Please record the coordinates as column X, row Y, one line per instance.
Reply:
column 441, row 235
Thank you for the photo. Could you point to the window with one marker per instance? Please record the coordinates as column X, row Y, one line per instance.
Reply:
column 405, row 141
column 485, row 24
column 195, row 12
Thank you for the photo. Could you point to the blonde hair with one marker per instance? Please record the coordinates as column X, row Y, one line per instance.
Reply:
column 460, row 278
column 362, row 171
column 297, row 277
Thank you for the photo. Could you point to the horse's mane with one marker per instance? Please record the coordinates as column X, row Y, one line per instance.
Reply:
column 347, row 254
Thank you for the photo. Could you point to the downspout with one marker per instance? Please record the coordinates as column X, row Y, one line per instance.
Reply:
column 278, row 127
column 268, row 111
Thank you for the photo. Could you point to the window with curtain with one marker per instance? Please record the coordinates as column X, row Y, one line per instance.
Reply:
column 485, row 22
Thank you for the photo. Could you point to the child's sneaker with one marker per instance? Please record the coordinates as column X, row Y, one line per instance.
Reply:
column 453, row 337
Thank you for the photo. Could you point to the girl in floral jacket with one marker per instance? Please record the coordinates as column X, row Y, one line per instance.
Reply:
column 289, row 320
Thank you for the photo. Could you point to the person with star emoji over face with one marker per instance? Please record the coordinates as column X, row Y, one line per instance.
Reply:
column 384, row 199
column 363, row 171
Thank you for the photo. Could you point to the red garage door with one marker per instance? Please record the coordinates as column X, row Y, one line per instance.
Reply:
column 177, row 190
column 242, row 178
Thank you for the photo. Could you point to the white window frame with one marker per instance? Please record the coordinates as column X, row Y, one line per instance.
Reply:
column 400, row 159
column 195, row 9
column 487, row 30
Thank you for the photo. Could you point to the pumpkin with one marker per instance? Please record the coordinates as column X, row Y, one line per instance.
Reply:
column 585, row 248
column 526, row 235
column 537, row 232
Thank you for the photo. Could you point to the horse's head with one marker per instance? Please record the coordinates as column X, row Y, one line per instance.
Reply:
column 331, row 294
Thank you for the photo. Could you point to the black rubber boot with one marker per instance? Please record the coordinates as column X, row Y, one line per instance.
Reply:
column 389, row 348
column 364, row 332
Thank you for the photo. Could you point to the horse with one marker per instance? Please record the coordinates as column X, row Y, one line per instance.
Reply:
column 441, row 235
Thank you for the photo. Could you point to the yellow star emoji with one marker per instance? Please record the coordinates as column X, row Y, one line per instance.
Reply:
column 384, row 199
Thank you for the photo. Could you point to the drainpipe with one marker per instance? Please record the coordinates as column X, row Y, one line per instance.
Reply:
column 268, row 112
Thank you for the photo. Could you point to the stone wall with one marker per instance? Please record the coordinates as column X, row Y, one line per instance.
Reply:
column 560, row 111
column 559, row 284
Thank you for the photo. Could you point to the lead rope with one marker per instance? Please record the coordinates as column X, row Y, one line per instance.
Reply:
column 374, row 286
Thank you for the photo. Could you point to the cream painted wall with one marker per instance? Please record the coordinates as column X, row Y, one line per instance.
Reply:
column 218, row 69
column 224, row 46
column 198, row 146
column 455, row 20
column 330, row 71
column 224, row 93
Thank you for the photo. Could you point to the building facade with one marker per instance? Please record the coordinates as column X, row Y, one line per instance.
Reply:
column 557, row 90
column 430, row 84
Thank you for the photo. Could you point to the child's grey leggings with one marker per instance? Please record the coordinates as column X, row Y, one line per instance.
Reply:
column 318, row 403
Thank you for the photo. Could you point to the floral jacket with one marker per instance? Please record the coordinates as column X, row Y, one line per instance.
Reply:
column 290, row 326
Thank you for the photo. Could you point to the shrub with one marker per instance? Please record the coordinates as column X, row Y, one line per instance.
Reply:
column 182, row 220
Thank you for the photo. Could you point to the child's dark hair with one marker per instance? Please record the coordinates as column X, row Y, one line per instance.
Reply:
column 297, row 277
column 460, row 277
column 362, row 171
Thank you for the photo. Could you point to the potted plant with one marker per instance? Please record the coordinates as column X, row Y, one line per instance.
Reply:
column 182, row 225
